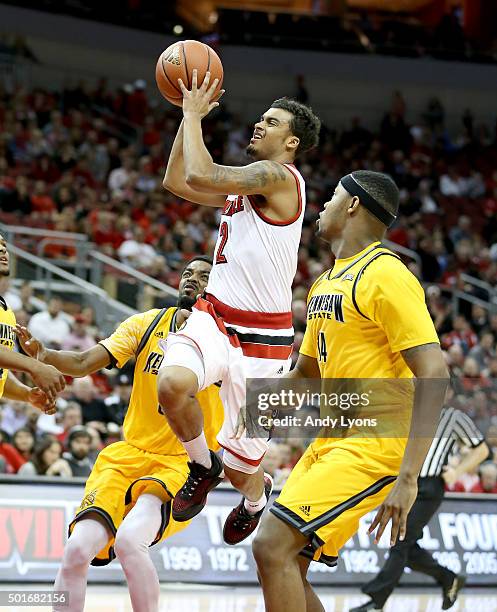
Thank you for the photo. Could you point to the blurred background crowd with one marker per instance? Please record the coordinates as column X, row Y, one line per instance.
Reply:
column 92, row 161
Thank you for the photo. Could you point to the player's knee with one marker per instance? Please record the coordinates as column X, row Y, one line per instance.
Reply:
column 125, row 545
column 77, row 553
column 175, row 387
column 266, row 550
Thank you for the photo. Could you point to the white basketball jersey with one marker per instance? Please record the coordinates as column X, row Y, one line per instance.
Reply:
column 255, row 259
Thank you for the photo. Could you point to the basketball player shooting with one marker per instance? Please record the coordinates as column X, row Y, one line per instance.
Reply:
column 242, row 326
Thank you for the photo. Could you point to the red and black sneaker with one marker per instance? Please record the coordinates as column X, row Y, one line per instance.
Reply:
column 240, row 524
column 192, row 496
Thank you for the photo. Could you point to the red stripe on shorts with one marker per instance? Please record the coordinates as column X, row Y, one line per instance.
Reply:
column 266, row 351
column 254, row 462
column 246, row 318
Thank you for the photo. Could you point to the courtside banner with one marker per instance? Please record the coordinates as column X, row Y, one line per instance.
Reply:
column 34, row 518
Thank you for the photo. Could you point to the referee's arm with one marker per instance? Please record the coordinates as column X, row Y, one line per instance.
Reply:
column 470, row 437
column 473, row 458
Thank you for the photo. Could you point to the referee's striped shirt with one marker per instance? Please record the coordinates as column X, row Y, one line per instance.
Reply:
column 455, row 427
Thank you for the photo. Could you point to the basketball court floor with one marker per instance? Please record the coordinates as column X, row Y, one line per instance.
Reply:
column 198, row 598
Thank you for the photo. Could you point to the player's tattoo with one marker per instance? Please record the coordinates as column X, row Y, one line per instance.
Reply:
column 255, row 175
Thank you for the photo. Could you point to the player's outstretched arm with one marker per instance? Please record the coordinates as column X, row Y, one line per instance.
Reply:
column 71, row 363
column 46, row 377
column 16, row 390
column 174, row 179
column 427, row 364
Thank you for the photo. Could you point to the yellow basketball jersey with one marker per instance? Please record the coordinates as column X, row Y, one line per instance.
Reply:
column 7, row 336
column 362, row 313
column 144, row 425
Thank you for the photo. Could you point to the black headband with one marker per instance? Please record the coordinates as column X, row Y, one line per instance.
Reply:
column 354, row 189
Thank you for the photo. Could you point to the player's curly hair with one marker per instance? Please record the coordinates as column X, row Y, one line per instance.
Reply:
column 304, row 124
column 381, row 187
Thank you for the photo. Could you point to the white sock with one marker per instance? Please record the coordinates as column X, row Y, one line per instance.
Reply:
column 87, row 539
column 198, row 451
column 138, row 530
column 253, row 507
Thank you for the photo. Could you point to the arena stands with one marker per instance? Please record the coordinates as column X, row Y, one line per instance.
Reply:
column 92, row 161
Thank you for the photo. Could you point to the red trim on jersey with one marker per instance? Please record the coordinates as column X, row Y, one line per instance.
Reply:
column 254, row 462
column 266, row 219
column 266, row 351
column 246, row 318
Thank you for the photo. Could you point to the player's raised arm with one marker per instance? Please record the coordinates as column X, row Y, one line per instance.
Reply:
column 174, row 179
column 202, row 174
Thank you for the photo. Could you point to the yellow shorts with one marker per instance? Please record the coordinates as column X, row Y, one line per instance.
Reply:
column 335, row 483
column 120, row 475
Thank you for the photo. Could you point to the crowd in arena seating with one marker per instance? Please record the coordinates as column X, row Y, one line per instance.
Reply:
column 92, row 161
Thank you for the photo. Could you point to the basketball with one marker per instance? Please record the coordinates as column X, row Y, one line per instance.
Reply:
column 178, row 62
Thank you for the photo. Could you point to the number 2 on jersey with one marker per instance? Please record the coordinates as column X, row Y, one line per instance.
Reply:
column 322, row 352
column 223, row 232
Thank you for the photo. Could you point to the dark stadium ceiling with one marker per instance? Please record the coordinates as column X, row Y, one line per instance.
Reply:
column 202, row 14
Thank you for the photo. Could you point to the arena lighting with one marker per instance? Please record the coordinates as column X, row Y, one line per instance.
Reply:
column 178, row 29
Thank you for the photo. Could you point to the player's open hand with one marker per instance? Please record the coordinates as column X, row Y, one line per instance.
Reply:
column 395, row 508
column 30, row 345
column 200, row 100
column 39, row 399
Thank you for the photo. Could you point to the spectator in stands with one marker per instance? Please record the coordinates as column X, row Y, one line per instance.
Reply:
column 41, row 202
column 488, row 479
column 13, row 416
column 93, row 408
column 118, row 402
column 26, row 296
column 46, row 460
column 96, row 444
column 91, row 326
column 78, row 453
column 79, row 339
column 11, row 297
column 24, row 442
column 484, row 351
column 71, row 417
column 120, row 177
column 136, row 252
column 480, row 409
column 10, row 459
column 492, row 441
column 50, row 326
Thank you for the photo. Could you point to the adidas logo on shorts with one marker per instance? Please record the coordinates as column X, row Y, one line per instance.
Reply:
column 306, row 510
column 280, row 371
